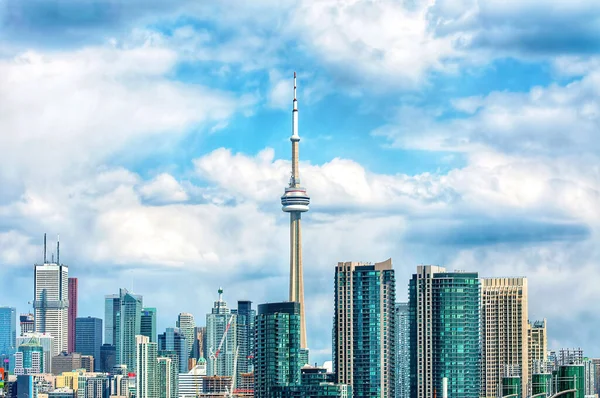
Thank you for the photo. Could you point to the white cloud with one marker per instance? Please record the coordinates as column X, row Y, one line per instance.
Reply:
column 163, row 188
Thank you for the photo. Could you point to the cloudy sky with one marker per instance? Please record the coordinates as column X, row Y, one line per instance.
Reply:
column 153, row 137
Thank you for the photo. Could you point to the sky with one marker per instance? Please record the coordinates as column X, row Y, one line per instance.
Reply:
column 153, row 137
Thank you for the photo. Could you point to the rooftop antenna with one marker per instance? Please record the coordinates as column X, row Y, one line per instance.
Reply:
column 58, row 249
column 52, row 258
column 45, row 248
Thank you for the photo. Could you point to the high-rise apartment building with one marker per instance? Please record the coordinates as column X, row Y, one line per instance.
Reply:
column 245, row 338
column 402, row 351
column 537, row 342
column 148, row 324
column 72, row 313
column 46, row 340
column 8, row 333
column 123, row 313
column 27, row 323
column 295, row 201
column 444, row 309
column 504, row 325
column 365, row 328
column 174, row 357
column 277, row 361
column 29, row 358
column 218, row 323
column 51, row 303
column 146, row 364
column 174, row 340
column 89, row 338
column 186, row 323
column 164, row 382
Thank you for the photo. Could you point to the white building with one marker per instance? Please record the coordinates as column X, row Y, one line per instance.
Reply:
column 146, row 364
column 185, row 323
column 46, row 340
column 219, row 322
column 190, row 383
column 51, row 303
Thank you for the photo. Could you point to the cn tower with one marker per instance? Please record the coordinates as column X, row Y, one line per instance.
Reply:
column 295, row 201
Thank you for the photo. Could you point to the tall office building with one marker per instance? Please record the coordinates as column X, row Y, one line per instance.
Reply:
column 174, row 340
column 123, row 313
column 295, row 201
column 146, row 364
column 277, row 361
column 504, row 325
column 174, row 357
column 27, row 323
column 29, row 358
column 51, row 301
column 218, row 323
column 46, row 340
column 164, row 382
column 72, row 313
column 108, row 358
column 199, row 349
column 365, row 328
column 537, row 342
column 89, row 338
column 8, row 333
column 245, row 338
column 186, row 323
column 148, row 324
column 402, row 351
column 444, row 332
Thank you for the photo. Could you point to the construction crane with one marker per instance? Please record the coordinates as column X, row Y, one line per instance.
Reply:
column 215, row 355
column 233, row 379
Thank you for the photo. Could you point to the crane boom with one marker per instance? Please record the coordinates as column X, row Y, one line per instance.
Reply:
column 214, row 356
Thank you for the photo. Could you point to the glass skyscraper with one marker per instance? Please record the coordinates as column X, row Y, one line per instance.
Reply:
column 173, row 340
column 221, row 363
column 402, row 351
column 245, row 337
column 88, row 338
column 186, row 323
column 277, row 360
column 364, row 328
column 8, row 333
column 127, row 325
column 445, row 335
column 148, row 324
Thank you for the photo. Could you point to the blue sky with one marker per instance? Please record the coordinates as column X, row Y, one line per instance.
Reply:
column 153, row 137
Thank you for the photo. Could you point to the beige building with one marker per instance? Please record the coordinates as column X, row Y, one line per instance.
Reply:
column 538, row 347
column 505, row 350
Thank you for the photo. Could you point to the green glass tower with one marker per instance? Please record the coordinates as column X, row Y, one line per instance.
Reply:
column 128, row 326
column 148, row 324
column 445, row 335
column 277, row 360
column 164, row 381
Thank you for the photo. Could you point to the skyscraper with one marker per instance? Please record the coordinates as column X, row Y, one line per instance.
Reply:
column 108, row 358
column 245, row 337
column 146, row 364
column 444, row 332
column 537, row 341
column 185, row 323
column 277, row 361
column 29, row 358
column 364, row 328
column 174, row 357
column 128, row 325
column 88, row 339
column 51, row 301
column 504, row 324
column 8, row 333
column 295, row 201
column 218, row 323
column 72, row 313
column 46, row 340
column 402, row 351
column 27, row 323
column 174, row 340
column 164, row 372
column 148, row 324
column 199, row 343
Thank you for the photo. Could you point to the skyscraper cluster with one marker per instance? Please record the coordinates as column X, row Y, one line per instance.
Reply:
column 458, row 335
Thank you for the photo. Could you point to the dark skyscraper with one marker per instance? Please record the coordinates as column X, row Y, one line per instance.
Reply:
column 72, row 313
column 245, row 338
column 277, row 349
column 88, row 339
column 108, row 358
column 173, row 340
column 148, row 324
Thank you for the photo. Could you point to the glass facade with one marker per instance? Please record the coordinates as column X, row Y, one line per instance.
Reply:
column 88, row 338
column 8, row 333
column 148, row 324
column 402, row 351
column 245, row 337
column 174, row 357
column 128, row 321
column 277, row 361
column 173, row 340
column 445, row 335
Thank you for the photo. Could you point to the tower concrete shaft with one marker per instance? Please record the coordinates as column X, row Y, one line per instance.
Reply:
column 295, row 201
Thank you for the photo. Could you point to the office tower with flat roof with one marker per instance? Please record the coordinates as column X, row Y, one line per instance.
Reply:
column 146, row 364
column 108, row 358
column 245, row 337
column 46, row 340
column 186, row 323
column 174, row 357
column 173, row 340
column 295, row 201
column 364, row 332
column 89, row 338
column 277, row 361
column 164, row 372
column 27, row 323
column 537, row 342
column 51, row 301
column 402, row 351
column 504, row 319
column 444, row 310
column 29, row 358
column 190, row 383
column 221, row 322
column 97, row 386
column 199, row 350
column 148, row 324
column 128, row 324
column 72, row 313
column 66, row 363
column 8, row 333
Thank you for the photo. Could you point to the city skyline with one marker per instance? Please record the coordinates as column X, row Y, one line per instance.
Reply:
column 154, row 139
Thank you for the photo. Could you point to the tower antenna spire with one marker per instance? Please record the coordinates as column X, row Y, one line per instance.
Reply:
column 44, row 248
column 58, row 249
